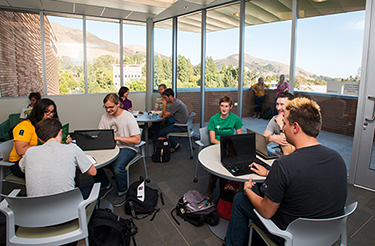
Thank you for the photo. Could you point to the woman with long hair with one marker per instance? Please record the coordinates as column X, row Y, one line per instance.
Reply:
column 25, row 135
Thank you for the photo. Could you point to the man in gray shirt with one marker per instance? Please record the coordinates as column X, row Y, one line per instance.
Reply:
column 180, row 113
column 50, row 168
column 273, row 132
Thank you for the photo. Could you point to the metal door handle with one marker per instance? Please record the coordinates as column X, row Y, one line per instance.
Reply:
column 373, row 112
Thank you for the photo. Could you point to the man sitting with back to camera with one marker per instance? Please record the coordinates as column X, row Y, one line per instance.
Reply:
column 180, row 113
column 51, row 168
column 274, row 132
column 308, row 183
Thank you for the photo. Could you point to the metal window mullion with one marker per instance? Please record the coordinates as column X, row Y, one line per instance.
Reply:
column 43, row 44
column 293, row 46
column 121, row 53
column 85, row 54
column 241, row 58
column 174, row 56
column 203, row 63
column 149, row 63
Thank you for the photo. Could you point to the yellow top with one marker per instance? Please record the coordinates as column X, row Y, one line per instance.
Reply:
column 259, row 89
column 25, row 132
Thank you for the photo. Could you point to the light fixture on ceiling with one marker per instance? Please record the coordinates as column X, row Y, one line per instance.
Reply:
column 236, row 14
column 319, row 1
column 186, row 7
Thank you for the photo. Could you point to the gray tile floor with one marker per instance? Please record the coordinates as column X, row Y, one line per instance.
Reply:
column 176, row 177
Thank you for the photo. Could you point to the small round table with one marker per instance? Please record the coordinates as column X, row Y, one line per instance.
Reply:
column 143, row 118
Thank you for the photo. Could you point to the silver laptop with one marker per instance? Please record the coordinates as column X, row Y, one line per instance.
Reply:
column 262, row 148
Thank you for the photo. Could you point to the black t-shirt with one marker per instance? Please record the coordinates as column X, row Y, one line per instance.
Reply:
column 309, row 183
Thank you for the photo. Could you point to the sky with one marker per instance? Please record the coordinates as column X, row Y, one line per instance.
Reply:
column 328, row 45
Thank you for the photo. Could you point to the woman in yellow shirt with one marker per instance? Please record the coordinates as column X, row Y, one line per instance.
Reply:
column 260, row 92
column 24, row 133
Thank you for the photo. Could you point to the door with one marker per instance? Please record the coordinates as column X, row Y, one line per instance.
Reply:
column 362, row 168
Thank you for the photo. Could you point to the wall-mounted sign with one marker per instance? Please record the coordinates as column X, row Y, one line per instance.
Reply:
column 334, row 87
column 351, row 88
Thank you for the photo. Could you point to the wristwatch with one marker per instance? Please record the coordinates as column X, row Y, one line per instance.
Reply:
column 281, row 131
column 247, row 188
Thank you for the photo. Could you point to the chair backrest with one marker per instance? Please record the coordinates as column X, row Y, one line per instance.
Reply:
column 5, row 149
column 45, row 210
column 190, row 122
column 319, row 231
column 204, row 136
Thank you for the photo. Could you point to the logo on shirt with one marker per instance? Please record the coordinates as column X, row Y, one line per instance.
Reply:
column 218, row 127
column 21, row 132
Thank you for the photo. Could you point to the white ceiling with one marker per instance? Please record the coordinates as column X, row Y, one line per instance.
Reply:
column 218, row 18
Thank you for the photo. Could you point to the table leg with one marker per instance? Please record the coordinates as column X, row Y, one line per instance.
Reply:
column 220, row 230
column 146, row 136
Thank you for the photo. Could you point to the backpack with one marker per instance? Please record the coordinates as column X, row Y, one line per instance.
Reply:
column 141, row 199
column 195, row 209
column 267, row 114
column 162, row 152
column 225, row 203
column 108, row 229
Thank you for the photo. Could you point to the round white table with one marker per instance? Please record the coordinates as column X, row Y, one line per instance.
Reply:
column 210, row 160
column 143, row 118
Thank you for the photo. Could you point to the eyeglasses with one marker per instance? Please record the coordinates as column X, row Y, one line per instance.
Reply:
column 109, row 107
column 50, row 112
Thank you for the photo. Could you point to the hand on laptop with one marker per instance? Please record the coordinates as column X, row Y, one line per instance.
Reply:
column 258, row 169
column 279, row 139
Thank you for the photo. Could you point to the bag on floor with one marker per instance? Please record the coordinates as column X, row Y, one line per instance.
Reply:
column 141, row 200
column 107, row 229
column 267, row 114
column 162, row 151
column 195, row 209
column 225, row 203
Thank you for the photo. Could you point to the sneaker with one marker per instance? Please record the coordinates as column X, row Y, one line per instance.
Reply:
column 177, row 148
column 105, row 190
column 120, row 200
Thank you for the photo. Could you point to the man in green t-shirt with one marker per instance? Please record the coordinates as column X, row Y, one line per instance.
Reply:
column 220, row 124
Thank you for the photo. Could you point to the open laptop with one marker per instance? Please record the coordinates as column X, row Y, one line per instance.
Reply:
column 95, row 139
column 238, row 152
column 261, row 147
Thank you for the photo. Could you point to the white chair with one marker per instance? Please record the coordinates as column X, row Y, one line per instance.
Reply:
column 307, row 232
column 204, row 140
column 140, row 154
column 48, row 220
column 5, row 149
column 188, row 134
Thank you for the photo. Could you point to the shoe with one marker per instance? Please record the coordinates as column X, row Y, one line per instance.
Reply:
column 105, row 190
column 120, row 200
column 177, row 148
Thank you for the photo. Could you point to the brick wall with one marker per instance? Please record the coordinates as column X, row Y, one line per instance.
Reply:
column 21, row 56
column 338, row 112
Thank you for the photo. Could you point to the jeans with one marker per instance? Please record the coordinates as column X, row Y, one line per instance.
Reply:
column 238, row 227
column 171, row 128
column 258, row 104
column 118, row 169
column 16, row 170
column 156, row 125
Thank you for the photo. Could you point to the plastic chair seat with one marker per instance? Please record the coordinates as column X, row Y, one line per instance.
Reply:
column 13, row 178
column 135, row 159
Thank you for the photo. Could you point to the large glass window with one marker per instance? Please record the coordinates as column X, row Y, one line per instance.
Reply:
column 103, row 53
column 134, row 69
column 189, row 50
column 163, row 53
column 65, row 38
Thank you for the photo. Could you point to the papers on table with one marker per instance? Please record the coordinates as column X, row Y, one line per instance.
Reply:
column 92, row 159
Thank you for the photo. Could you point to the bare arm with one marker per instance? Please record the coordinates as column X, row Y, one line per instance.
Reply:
column 21, row 147
column 239, row 131
column 212, row 138
column 91, row 171
column 264, row 206
column 165, row 113
column 270, row 137
column 136, row 139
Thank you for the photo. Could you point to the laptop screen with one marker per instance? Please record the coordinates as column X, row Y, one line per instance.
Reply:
column 237, row 147
column 95, row 139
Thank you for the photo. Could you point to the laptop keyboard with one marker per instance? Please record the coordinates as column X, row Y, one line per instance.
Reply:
column 242, row 167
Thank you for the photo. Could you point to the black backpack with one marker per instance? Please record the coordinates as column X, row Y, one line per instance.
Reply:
column 162, row 152
column 134, row 205
column 108, row 229
column 267, row 114
column 195, row 209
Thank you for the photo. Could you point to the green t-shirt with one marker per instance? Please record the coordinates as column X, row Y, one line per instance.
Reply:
column 226, row 126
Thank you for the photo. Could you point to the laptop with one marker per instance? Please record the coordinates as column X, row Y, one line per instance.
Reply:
column 237, row 152
column 261, row 147
column 95, row 139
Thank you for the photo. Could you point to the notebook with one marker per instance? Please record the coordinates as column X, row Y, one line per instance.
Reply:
column 95, row 139
column 261, row 147
column 238, row 152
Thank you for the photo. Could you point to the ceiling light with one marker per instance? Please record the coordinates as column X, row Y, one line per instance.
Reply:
column 319, row 1
column 236, row 14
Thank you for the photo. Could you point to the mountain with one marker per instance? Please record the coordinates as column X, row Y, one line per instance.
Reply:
column 265, row 67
